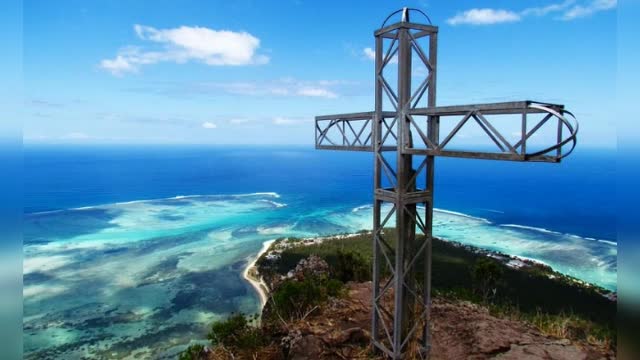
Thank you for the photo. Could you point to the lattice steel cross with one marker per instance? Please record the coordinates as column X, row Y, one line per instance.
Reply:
column 395, row 331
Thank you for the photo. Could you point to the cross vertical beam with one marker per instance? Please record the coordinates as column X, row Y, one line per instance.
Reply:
column 405, row 320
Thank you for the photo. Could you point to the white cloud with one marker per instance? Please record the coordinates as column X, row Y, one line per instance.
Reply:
column 484, row 17
column 569, row 10
column 544, row 10
column 589, row 9
column 283, row 121
column 209, row 125
column 369, row 53
column 118, row 66
column 184, row 44
column 238, row 121
column 317, row 92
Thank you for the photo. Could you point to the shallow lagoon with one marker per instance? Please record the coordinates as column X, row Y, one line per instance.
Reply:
column 146, row 277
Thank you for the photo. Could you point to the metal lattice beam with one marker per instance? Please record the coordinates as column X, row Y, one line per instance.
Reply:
column 566, row 131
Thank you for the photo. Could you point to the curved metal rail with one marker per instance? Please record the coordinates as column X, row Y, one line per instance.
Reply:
column 573, row 131
column 408, row 10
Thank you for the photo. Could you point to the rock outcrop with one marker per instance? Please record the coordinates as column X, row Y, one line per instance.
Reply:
column 461, row 330
column 313, row 265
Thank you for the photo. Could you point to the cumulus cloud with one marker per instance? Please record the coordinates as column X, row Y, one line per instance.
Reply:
column 209, row 125
column 184, row 44
column 119, row 65
column 567, row 10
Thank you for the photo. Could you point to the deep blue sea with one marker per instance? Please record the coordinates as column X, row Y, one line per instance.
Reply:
column 133, row 250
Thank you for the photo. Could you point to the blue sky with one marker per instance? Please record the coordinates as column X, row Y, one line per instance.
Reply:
column 220, row 72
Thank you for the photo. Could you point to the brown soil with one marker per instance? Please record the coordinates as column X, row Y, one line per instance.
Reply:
column 460, row 330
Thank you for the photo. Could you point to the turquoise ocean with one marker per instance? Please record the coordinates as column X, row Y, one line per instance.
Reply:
column 131, row 251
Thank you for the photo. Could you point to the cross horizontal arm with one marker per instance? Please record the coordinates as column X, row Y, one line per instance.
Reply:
column 353, row 132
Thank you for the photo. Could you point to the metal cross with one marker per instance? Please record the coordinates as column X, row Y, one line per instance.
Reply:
column 408, row 133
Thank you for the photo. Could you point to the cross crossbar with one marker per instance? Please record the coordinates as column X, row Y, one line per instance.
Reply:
column 567, row 131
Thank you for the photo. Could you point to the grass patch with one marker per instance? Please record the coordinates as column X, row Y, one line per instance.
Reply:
column 563, row 325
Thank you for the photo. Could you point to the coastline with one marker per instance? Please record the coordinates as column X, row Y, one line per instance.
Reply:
column 252, row 275
column 249, row 274
column 511, row 261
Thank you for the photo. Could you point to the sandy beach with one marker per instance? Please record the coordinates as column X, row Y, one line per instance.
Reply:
column 257, row 282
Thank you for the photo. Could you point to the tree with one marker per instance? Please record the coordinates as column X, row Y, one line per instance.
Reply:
column 487, row 277
column 351, row 266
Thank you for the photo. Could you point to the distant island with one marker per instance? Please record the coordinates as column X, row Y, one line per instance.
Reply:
column 316, row 296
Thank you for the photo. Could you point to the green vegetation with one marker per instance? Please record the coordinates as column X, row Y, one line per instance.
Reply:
column 563, row 325
column 237, row 331
column 296, row 299
column 554, row 303
column 193, row 352
column 487, row 278
column 237, row 334
column 351, row 266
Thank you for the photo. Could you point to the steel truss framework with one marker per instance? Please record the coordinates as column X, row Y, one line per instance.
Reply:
column 401, row 301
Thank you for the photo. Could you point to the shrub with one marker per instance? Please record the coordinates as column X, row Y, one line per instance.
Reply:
column 334, row 287
column 236, row 331
column 487, row 277
column 294, row 299
column 193, row 352
column 352, row 266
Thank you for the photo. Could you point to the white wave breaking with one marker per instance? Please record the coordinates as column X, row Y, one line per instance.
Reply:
column 461, row 215
column 274, row 203
column 547, row 231
column 531, row 228
column 608, row 242
column 361, row 207
column 177, row 197
column 493, row 211
column 272, row 194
